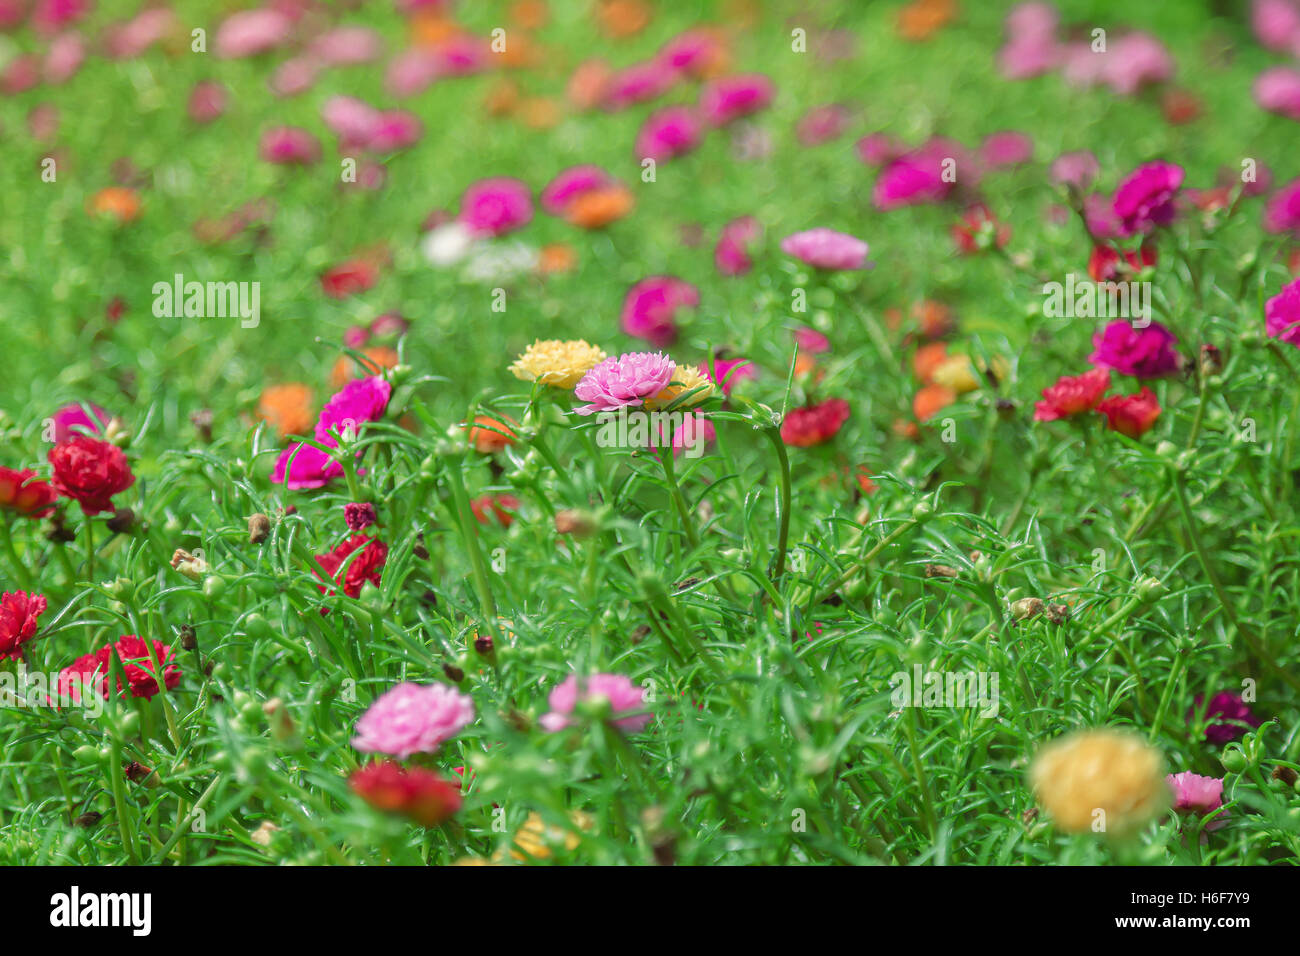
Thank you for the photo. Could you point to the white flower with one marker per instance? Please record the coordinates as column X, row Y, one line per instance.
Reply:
column 447, row 244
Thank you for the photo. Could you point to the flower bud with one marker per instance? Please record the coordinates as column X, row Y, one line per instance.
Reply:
column 259, row 528
column 1026, row 608
column 580, row 524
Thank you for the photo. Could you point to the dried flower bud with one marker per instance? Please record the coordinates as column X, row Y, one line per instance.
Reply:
column 202, row 422
column 454, row 673
column 1211, row 361
column 259, row 528
column 1058, row 613
column 359, row 515
column 263, row 834
column 484, row 644
column 1286, row 775
column 580, row 524
column 137, row 772
column 941, row 571
column 88, row 819
column 639, row 634
column 189, row 640
column 1026, row 608
column 191, row 566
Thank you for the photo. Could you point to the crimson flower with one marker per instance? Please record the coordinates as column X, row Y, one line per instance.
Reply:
column 90, row 471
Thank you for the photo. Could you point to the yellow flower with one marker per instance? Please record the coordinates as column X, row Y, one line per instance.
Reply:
column 557, row 363
column 685, row 379
column 536, row 837
column 1103, row 780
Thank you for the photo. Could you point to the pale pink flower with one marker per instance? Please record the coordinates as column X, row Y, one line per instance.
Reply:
column 1276, row 24
column 289, row 145
column 810, row 340
column 624, row 697
column 637, row 83
column 347, row 45
column 1195, row 794
column 250, row 32
column 294, row 76
column 207, row 101
column 413, row 718
column 1077, row 169
column 412, row 71
column 826, row 249
column 733, row 253
column 821, row 124
column 626, row 381
column 1007, row 148
column 1278, row 91
column 63, row 59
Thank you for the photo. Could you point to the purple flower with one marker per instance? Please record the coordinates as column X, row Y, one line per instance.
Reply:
column 1229, row 706
column 1282, row 314
column 359, row 515
column 1146, row 198
column 1142, row 353
column 826, row 249
column 624, row 381
column 650, row 308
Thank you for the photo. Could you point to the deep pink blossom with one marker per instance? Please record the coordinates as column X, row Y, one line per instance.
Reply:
column 1231, row 708
column 651, row 306
column 729, row 98
column 668, row 133
column 1278, row 91
column 571, row 183
column 1143, row 353
column 1197, row 795
column 733, row 253
column 1145, row 199
column 1282, row 314
column 289, row 145
column 494, row 207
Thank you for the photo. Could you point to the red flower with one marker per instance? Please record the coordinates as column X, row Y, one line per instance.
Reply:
column 18, row 492
column 349, row 278
column 814, row 424
column 1072, row 395
column 1131, row 415
column 1103, row 264
column 503, row 506
column 18, row 613
column 137, row 665
column 974, row 222
column 414, row 792
column 364, row 567
column 91, row 471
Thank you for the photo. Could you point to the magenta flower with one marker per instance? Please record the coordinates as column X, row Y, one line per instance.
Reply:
column 624, row 697
column 626, row 381
column 495, row 207
column 1142, row 353
column 305, row 466
column 73, row 416
column 727, row 372
column 810, row 340
column 413, row 718
column 1229, row 706
column 207, row 101
column 1146, row 198
column 1197, row 795
column 250, row 32
column 668, row 133
column 650, row 308
column 637, row 84
column 691, row 52
column 908, row 181
column 569, row 184
column 1282, row 314
column 732, row 254
column 729, row 98
column 826, row 249
column 359, row 401
column 879, row 149
column 289, row 145
column 1007, row 148
column 821, row 124
column 1282, row 213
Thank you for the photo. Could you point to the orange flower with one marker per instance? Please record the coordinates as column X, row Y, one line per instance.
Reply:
column 556, row 258
column 428, row 28
column 538, row 112
column 521, row 52
column 596, row 208
column 117, row 201
column 503, row 98
column 920, row 19
column 804, row 364
column 288, row 408
column 381, row 357
column 623, row 18
column 935, row 318
column 490, row 434
column 529, row 14
column 927, row 359
column 932, row 399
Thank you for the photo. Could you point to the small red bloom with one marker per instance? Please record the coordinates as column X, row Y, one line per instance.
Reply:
column 975, row 220
column 137, row 665
column 503, row 506
column 1072, row 395
column 814, row 424
column 364, row 567
column 18, row 613
column 91, row 471
column 1104, row 263
column 411, row 791
column 21, row 493
column 348, row 278
column 1131, row 415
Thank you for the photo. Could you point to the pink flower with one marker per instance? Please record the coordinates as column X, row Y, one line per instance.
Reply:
column 123, row 41
column 305, row 466
column 668, row 133
column 625, row 381
column 650, row 308
column 732, row 253
column 294, row 76
column 250, row 32
column 821, row 124
column 351, row 119
column 810, row 340
column 1146, row 198
column 1143, row 353
column 1007, row 149
column 289, row 145
column 348, row 45
column 910, row 180
column 1135, row 60
column 879, row 149
column 1276, row 24
column 1031, row 47
column 727, row 372
column 1194, row 794
column 571, row 183
column 413, row 718
column 1099, row 212
column 624, row 697
column 637, row 84
column 729, row 98
column 692, row 52
column 826, row 249
column 72, row 420
column 1076, row 169
column 412, row 71
column 359, row 401
column 495, row 207
column 207, row 101
column 63, row 59
column 1230, row 707
column 1278, row 91
column 1282, row 314
column 49, row 16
